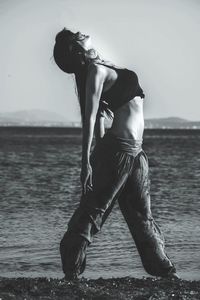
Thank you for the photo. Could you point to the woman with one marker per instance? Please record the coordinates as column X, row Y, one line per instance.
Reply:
column 117, row 168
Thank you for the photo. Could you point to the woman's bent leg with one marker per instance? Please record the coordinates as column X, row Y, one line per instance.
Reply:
column 134, row 203
column 110, row 172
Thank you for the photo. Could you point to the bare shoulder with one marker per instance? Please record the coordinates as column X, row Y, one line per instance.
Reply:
column 95, row 78
column 95, row 69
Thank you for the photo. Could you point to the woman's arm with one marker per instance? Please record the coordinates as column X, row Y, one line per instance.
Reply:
column 94, row 86
column 99, row 127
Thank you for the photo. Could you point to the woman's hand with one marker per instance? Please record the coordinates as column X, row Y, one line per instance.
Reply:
column 86, row 177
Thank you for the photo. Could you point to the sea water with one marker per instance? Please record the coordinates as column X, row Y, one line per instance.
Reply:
column 40, row 188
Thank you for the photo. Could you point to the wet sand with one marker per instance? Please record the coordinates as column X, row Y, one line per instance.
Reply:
column 99, row 289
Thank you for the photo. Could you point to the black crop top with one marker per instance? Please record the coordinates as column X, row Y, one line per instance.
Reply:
column 125, row 88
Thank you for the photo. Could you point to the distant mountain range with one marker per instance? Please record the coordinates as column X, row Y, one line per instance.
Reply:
column 30, row 116
column 172, row 122
column 34, row 117
column 45, row 118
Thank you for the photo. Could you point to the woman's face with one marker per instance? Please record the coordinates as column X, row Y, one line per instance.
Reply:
column 83, row 40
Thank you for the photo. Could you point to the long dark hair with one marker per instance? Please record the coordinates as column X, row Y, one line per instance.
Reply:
column 71, row 58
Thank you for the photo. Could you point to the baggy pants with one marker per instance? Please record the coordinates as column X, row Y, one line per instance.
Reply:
column 120, row 172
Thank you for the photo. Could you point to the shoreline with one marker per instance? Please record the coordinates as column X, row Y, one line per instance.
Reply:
column 113, row 288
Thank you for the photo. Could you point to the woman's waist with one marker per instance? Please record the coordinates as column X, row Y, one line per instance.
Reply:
column 129, row 128
column 115, row 143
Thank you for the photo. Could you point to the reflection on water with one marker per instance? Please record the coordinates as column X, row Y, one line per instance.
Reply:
column 40, row 188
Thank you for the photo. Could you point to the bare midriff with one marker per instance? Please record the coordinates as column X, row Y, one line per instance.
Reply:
column 128, row 121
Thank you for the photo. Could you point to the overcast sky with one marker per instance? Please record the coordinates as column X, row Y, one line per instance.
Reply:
column 159, row 39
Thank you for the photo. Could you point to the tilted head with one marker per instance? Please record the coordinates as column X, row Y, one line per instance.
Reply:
column 72, row 51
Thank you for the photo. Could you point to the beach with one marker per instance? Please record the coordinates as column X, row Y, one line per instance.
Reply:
column 115, row 288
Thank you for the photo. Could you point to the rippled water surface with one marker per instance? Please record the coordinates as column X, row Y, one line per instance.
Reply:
column 39, row 188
